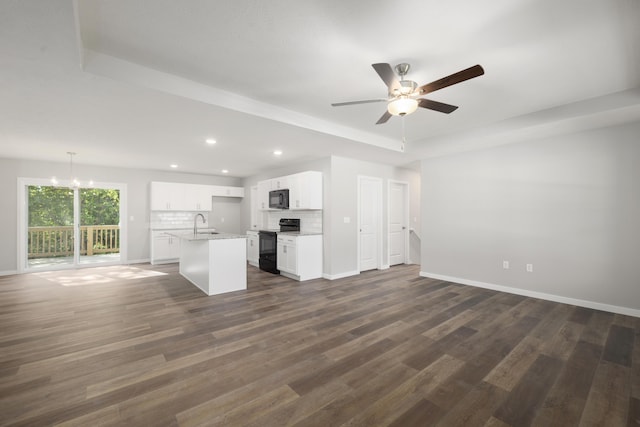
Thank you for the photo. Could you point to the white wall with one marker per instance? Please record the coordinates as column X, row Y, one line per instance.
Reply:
column 343, row 247
column 137, row 182
column 569, row 205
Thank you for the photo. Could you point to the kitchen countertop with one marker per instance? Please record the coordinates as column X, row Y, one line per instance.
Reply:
column 188, row 235
column 164, row 227
column 298, row 233
column 290, row 233
column 182, row 229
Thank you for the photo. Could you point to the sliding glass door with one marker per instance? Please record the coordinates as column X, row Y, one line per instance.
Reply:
column 99, row 225
column 64, row 227
column 50, row 231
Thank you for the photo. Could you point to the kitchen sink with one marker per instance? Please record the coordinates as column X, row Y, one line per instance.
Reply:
column 208, row 232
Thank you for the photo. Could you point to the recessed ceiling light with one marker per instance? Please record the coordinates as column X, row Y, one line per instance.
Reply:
column 225, row 171
column 173, row 166
column 277, row 153
column 210, row 141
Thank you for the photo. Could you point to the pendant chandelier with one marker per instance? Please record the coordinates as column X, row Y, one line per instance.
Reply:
column 73, row 181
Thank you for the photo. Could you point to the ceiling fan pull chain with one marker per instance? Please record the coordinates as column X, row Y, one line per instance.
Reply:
column 404, row 139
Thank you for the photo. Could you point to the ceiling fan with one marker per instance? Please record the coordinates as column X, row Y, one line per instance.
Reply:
column 404, row 95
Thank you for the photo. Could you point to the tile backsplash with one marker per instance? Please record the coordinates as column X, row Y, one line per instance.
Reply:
column 176, row 219
column 310, row 221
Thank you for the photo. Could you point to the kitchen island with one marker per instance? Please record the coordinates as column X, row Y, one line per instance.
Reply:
column 214, row 262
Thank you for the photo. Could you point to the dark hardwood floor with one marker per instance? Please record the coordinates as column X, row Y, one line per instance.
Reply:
column 140, row 346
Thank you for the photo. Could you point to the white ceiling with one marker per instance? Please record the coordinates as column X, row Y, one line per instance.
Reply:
column 142, row 83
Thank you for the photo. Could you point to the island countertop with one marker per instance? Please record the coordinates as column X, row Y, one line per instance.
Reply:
column 205, row 235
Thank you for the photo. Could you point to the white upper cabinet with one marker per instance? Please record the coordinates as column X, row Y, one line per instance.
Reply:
column 305, row 190
column 196, row 197
column 173, row 196
column 280, row 183
column 263, row 194
column 226, row 191
column 254, row 203
column 167, row 196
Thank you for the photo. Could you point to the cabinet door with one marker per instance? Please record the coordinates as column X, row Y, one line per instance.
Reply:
column 226, row 191
column 263, row 194
column 292, row 258
column 165, row 196
column 196, row 197
column 203, row 197
column 234, row 191
column 161, row 247
column 252, row 248
column 305, row 190
column 296, row 196
column 254, row 207
column 280, row 183
column 174, row 247
column 281, row 252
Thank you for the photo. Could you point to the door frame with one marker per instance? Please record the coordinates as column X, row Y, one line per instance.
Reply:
column 407, row 207
column 379, row 214
column 22, row 215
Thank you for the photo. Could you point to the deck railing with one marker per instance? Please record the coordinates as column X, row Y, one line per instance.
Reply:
column 49, row 242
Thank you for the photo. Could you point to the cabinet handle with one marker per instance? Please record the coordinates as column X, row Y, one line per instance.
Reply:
column 284, row 249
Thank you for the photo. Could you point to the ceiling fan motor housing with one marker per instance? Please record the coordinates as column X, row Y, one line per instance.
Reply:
column 407, row 87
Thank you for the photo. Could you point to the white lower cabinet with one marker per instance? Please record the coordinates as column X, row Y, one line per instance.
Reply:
column 253, row 249
column 164, row 248
column 300, row 257
column 287, row 254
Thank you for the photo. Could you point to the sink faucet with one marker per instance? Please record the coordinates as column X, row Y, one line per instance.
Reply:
column 195, row 223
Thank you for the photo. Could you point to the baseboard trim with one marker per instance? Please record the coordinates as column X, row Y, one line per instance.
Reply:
column 8, row 272
column 340, row 275
column 541, row 295
column 385, row 267
column 138, row 261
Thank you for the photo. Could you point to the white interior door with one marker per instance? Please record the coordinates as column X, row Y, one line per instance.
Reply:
column 398, row 220
column 369, row 213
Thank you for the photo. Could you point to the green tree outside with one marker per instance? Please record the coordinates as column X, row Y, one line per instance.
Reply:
column 53, row 207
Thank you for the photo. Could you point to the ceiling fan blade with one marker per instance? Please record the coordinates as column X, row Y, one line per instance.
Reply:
column 437, row 106
column 386, row 116
column 387, row 75
column 367, row 101
column 454, row 78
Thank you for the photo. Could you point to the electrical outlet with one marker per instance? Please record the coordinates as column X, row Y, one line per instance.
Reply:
column 505, row 265
column 529, row 268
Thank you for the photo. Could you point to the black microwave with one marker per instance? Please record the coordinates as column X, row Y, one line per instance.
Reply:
column 279, row 199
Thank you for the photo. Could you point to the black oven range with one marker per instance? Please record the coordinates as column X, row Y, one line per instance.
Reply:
column 268, row 256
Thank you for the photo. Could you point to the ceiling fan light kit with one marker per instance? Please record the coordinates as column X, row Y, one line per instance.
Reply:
column 402, row 106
